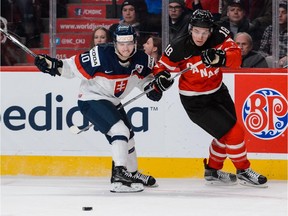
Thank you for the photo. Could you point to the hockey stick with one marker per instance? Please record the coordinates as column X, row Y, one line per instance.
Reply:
column 76, row 130
column 18, row 43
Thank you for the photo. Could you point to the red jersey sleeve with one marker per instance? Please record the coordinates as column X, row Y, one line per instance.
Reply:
column 233, row 53
column 164, row 64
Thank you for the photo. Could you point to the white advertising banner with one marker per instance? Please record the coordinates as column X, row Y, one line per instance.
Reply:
column 37, row 111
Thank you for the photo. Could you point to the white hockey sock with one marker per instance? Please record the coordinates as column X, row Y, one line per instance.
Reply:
column 120, row 133
column 120, row 152
column 132, row 164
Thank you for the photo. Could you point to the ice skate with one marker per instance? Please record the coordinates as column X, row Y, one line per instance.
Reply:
column 146, row 180
column 123, row 182
column 248, row 177
column 218, row 177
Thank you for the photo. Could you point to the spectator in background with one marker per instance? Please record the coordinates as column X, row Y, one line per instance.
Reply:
column 214, row 6
column 179, row 17
column 266, row 42
column 250, row 58
column 131, row 15
column 259, row 14
column 100, row 35
column 153, row 47
column 236, row 20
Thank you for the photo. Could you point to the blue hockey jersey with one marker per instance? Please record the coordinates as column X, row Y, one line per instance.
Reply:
column 102, row 75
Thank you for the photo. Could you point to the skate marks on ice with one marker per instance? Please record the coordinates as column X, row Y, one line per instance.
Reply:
column 45, row 196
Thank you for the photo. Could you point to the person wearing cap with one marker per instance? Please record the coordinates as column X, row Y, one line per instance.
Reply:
column 179, row 17
column 259, row 14
column 237, row 21
column 266, row 42
column 132, row 13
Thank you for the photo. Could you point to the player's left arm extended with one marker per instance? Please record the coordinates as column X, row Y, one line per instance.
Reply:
column 233, row 54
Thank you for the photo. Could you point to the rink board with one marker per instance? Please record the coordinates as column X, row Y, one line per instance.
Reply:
column 101, row 166
column 37, row 110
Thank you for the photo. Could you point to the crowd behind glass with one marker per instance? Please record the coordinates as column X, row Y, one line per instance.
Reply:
column 250, row 25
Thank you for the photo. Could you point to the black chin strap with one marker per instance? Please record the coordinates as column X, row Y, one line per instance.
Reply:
column 123, row 61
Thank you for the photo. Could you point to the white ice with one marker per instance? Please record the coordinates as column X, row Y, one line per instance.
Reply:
column 65, row 196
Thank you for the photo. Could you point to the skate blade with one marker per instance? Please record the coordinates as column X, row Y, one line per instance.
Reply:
column 220, row 183
column 118, row 187
column 248, row 184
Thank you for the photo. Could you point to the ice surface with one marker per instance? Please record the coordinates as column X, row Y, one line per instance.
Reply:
column 65, row 196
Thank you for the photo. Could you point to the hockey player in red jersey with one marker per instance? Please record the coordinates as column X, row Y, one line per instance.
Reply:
column 205, row 97
column 108, row 74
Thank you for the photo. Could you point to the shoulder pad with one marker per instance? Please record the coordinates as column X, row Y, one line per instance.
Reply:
column 179, row 48
column 219, row 35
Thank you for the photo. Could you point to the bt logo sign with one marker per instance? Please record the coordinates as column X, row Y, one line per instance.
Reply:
column 265, row 113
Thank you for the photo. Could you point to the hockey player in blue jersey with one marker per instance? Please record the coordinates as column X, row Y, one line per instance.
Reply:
column 109, row 73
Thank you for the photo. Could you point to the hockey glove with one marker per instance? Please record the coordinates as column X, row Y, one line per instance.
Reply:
column 162, row 82
column 213, row 57
column 49, row 65
column 153, row 95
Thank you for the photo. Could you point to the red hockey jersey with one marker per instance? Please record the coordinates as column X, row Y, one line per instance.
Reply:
column 183, row 53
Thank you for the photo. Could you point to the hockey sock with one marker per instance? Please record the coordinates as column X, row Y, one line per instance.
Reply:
column 217, row 154
column 119, row 133
column 236, row 147
column 119, row 152
column 132, row 164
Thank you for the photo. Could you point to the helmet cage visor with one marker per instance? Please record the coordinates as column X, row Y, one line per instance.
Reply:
column 124, row 38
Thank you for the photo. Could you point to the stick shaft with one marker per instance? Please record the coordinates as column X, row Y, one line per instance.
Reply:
column 135, row 98
column 18, row 43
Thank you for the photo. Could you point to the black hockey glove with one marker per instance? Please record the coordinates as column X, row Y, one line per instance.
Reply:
column 153, row 95
column 213, row 57
column 162, row 82
column 49, row 65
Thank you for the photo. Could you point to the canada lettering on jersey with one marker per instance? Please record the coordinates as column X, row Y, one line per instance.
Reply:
column 204, row 72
